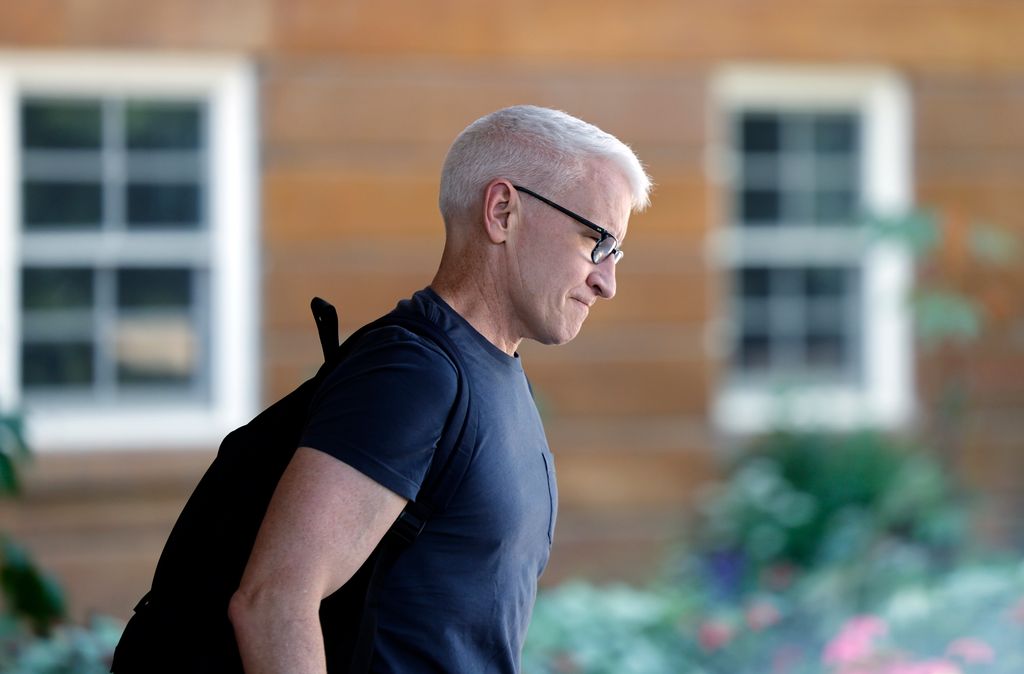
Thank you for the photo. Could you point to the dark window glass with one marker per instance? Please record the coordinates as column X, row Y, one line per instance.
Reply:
column 826, row 314
column 825, row 350
column 128, row 373
column 51, row 203
column 825, row 282
column 154, row 288
column 835, row 134
column 61, row 125
column 163, row 204
column 56, row 288
column 57, row 364
column 755, row 282
column 755, row 352
column 835, row 206
column 759, row 206
column 760, row 133
column 162, row 126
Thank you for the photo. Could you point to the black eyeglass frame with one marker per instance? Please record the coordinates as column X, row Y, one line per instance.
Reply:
column 599, row 253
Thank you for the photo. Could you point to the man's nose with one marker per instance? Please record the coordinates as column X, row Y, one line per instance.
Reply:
column 602, row 278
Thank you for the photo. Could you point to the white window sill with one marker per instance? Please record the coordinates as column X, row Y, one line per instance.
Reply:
column 184, row 427
column 749, row 410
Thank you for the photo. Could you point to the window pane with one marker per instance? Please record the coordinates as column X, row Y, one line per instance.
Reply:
column 156, row 349
column 759, row 133
column 56, row 288
column 62, row 204
column 65, row 125
column 755, row 282
column 162, row 125
column 825, row 350
column 825, row 282
column 759, row 206
column 154, row 288
column 163, row 204
column 835, row 207
column 57, row 364
column 835, row 134
column 827, row 314
column 755, row 352
column 156, row 339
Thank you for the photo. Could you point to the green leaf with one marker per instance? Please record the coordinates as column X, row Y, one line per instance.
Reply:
column 13, row 448
column 993, row 245
column 29, row 592
column 944, row 316
column 917, row 230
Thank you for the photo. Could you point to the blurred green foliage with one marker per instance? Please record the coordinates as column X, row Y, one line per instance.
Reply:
column 947, row 310
column 969, row 621
column 811, row 535
column 35, row 636
column 809, row 499
column 13, row 449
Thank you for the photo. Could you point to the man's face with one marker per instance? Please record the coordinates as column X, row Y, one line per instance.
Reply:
column 555, row 281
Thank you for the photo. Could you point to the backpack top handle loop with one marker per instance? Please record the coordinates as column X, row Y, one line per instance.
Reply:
column 326, row 326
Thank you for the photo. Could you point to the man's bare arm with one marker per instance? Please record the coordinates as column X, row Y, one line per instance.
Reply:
column 324, row 520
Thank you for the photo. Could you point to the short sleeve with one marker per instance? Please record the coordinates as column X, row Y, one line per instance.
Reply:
column 383, row 409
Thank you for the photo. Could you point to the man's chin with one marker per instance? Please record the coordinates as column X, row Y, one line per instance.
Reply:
column 563, row 337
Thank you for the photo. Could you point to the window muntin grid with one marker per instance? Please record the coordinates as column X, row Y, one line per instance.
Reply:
column 796, row 316
column 110, row 311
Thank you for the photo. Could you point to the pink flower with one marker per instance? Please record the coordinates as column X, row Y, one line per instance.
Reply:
column 762, row 614
column 713, row 634
column 855, row 641
column 971, row 650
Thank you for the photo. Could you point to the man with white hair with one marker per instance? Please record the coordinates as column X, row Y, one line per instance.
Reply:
column 535, row 205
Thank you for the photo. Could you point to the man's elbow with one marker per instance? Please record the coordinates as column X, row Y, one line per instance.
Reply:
column 242, row 608
column 255, row 603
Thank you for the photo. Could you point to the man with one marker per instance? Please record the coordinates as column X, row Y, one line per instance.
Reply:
column 535, row 205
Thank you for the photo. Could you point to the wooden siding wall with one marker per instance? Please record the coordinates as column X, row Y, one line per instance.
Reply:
column 359, row 100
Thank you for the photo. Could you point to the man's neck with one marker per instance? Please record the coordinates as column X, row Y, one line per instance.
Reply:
column 481, row 306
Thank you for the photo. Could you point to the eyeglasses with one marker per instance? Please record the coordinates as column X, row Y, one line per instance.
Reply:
column 606, row 245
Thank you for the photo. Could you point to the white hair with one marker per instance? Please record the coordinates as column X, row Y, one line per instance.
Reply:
column 535, row 147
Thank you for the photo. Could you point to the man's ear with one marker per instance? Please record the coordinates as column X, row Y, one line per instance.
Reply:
column 497, row 209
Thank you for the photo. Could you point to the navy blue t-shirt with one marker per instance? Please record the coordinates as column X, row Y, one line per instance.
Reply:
column 458, row 600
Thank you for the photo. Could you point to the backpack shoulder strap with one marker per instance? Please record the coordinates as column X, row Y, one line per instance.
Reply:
column 447, row 468
column 454, row 448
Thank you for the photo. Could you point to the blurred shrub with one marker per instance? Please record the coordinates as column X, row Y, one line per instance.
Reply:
column 803, row 500
column 35, row 636
column 970, row 621
column 67, row 649
column 824, row 554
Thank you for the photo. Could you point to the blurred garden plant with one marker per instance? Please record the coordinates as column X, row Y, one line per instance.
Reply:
column 967, row 292
column 970, row 621
column 803, row 501
column 35, row 636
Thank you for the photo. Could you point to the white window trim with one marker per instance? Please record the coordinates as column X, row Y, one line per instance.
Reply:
column 228, row 83
column 886, row 398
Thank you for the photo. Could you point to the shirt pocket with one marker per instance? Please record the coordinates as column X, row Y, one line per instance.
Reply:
column 549, row 469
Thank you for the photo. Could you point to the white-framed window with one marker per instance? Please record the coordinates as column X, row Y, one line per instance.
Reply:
column 128, row 247
column 815, row 325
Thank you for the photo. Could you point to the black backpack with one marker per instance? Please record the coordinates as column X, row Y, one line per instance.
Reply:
column 181, row 625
